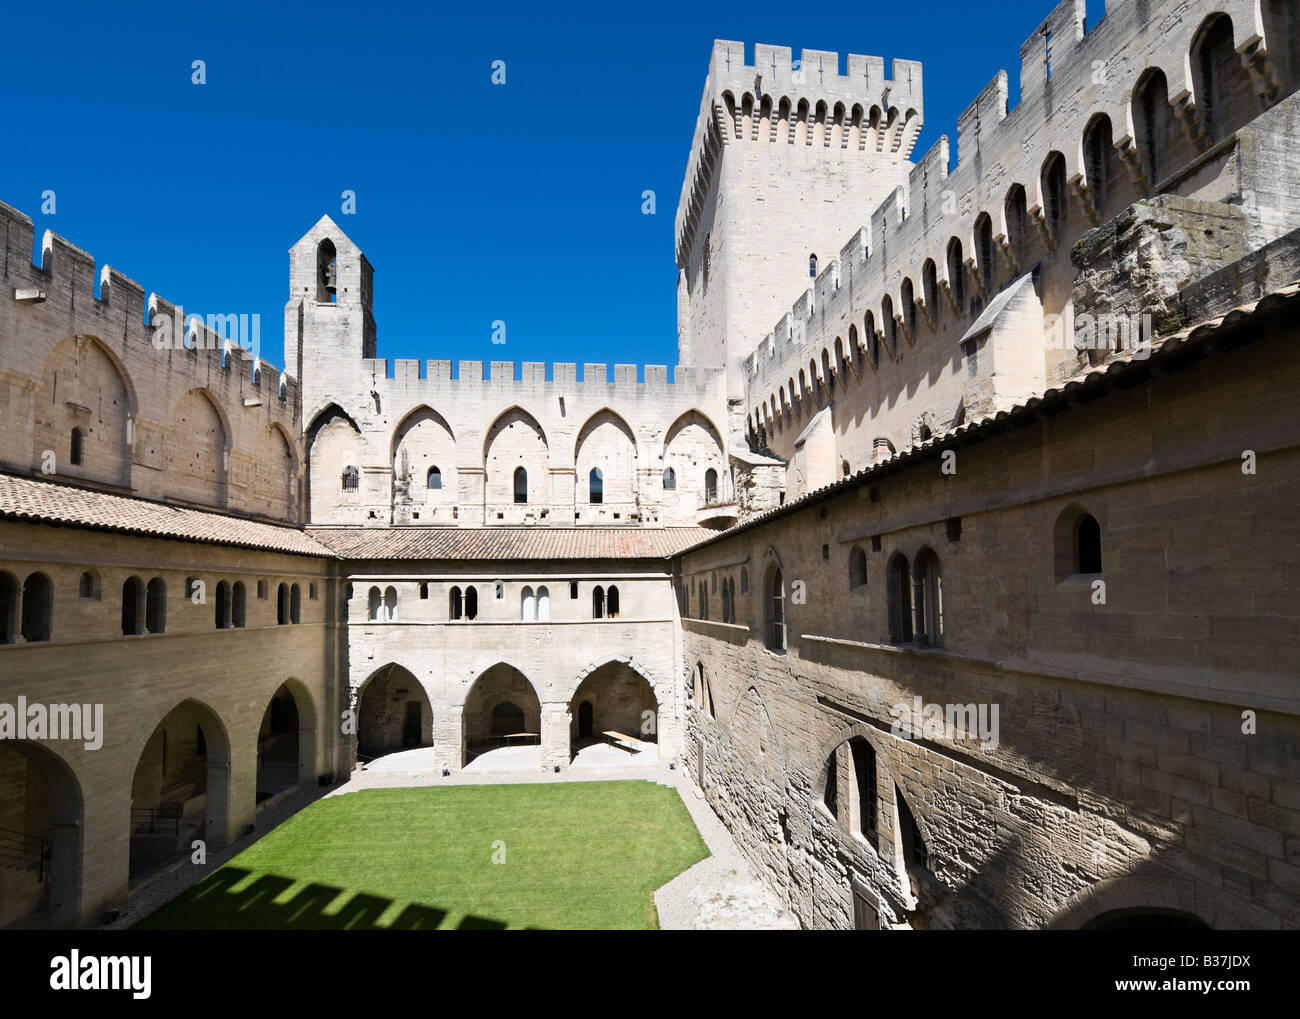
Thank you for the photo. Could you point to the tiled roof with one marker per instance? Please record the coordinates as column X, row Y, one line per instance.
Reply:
column 49, row 502
column 508, row 542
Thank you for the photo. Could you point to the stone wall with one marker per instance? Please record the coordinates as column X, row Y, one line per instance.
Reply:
column 1146, row 744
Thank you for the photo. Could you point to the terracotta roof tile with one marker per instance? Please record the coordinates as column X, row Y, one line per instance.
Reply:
column 508, row 542
column 50, row 502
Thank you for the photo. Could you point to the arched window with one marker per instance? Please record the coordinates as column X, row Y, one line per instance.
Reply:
column 744, row 580
column 704, row 599
column 1054, row 195
column 930, row 288
column 1150, row 111
column 222, row 606
column 74, row 452
column 857, row 567
column 597, row 602
column 1213, row 54
column 375, row 605
column 521, row 485
column 812, row 266
column 390, row 605
column 909, row 308
column 527, row 605
column 774, row 612
column 1097, row 147
column 956, row 274
column 351, row 479
column 596, row 486
column 89, row 585
column 984, row 238
column 611, row 602
column 928, row 585
column 434, row 480
column 238, row 605
column 155, row 611
column 326, row 271
column 726, row 602
column 9, row 602
column 38, row 608
column 295, row 603
column 471, row 603
column 711, row 485
column 914, row 851
column 543, row 604
column 900, row 600
column 282, row 605
column 864, row 787
column 455, row 606
column 132, row 603
column 1016, row 211
column 670, row 478
column 1077, row 538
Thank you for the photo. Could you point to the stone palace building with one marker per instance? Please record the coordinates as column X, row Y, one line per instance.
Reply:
column 957, row 560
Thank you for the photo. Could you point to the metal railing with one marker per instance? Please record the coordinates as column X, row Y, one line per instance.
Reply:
column 156, row 821
column 25, row 851
column 718, row 495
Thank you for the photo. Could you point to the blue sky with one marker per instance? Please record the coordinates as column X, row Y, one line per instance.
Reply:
column 474, row 202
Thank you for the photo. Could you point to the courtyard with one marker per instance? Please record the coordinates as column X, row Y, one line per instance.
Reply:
column 563, row 855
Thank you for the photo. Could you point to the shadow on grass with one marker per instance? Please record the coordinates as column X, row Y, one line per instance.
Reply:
column 213, row 904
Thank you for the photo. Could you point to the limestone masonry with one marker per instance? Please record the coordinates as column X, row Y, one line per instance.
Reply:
column 957, row 561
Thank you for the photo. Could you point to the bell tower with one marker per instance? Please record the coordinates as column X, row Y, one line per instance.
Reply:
column 328, row 322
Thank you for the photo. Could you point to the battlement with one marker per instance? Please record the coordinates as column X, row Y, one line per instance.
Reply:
column 114, row 307
column 1069, row 79
column 530, row 376
column 781, row 99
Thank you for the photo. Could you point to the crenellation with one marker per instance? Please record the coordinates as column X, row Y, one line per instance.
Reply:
column 1057, row 37
column 981, row 117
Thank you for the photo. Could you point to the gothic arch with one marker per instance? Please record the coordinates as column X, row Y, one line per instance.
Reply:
column 659, row 690
column 1122, row 894
column 85, row 386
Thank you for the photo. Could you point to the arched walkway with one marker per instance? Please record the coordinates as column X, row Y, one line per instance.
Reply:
column 181, row 787
column 614, row 718
column 393, row 713
column 40, row 838
column 286, row 742
column 502, row 710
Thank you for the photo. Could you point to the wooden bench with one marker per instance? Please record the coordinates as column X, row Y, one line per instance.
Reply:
column 624, row 741
column 517, row 735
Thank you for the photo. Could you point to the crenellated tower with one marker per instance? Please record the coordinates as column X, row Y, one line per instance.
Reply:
column 790, row 157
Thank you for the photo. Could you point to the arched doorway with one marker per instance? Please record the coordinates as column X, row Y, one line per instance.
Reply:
column 40, row 838
column 501, row 710
column 615, row 713
column 181, row 787
column 1146, row 919
column 286, row 741
column 393, row 713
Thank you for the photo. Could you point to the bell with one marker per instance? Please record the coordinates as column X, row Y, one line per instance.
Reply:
column 331, row 278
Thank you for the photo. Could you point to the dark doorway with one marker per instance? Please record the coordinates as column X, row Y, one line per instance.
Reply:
column 411, row 727
column 584, row 719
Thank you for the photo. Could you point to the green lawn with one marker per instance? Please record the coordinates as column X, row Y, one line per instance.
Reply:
column 576, row 854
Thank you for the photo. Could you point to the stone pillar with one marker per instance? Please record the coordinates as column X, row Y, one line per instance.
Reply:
column 448, row 738
column 556, row 723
